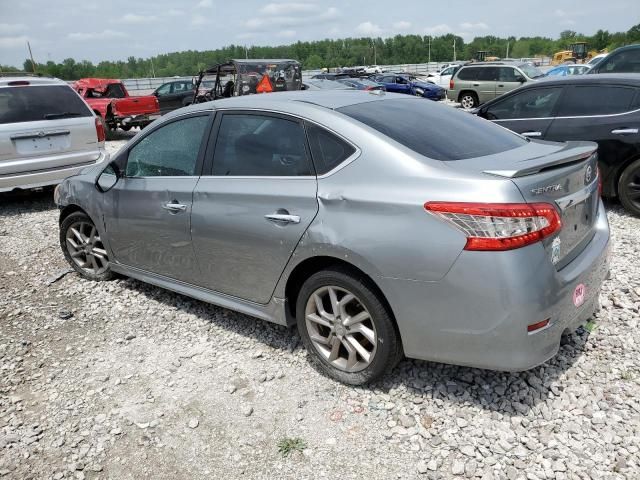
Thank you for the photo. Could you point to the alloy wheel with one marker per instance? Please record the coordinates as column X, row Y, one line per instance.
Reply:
column 632, row 188
column 85, row 248
column 341, row 328
column 467, row 101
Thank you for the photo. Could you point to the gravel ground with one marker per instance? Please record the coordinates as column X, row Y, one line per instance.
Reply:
column 122, row 380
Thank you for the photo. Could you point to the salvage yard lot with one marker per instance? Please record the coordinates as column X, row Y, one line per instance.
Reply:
column 125, row 380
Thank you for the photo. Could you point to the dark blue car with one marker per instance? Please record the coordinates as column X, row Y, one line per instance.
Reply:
column 404, row 83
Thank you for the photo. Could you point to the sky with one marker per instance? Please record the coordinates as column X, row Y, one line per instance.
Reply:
column 116, row 29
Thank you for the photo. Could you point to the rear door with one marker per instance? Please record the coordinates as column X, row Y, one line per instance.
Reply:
column 255, row 204
column 147, row 214
column 486, row 84
column 528, row 111
column 44, row 127
column 603, row 114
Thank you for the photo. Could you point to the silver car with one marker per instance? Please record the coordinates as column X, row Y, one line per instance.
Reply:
column 382, row 225
column 47, row 133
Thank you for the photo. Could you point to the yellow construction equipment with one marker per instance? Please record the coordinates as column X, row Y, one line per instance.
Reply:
column 577, row 53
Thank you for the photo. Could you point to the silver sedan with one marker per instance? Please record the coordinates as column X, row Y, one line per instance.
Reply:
column 380, row 224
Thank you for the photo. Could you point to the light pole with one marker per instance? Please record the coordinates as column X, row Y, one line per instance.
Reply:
column 429, row 60
column 454, row 49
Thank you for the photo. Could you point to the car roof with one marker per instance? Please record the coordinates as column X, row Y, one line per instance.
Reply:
column 279, row 101
column 5, row 81
column 632, row 79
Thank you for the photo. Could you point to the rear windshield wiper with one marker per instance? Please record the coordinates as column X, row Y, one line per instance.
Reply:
column 51, row 116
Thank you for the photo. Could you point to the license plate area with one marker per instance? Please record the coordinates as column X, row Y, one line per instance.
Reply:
column 577, row 223
column 40, row 145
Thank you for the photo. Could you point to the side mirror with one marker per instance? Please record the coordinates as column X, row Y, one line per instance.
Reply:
column 108, row 178
column 155, row 93
column 521, row 79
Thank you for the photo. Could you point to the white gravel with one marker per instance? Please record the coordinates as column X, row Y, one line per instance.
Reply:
column 125, row 380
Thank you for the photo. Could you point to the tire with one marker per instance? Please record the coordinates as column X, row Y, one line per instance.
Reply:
column 468, row 100
column 125, row 128
column 629, row 188
column 109, row 134
column 83, row 248
column 326, row 338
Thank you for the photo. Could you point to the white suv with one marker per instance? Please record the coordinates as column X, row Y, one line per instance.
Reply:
column 47, row 133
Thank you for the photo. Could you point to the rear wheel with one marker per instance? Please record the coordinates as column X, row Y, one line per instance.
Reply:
column 468, row 100
column 347, row 330
column 83, row 247
column 126, row 128
column 629, row 188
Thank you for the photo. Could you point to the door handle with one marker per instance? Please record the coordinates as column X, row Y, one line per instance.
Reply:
column 501, row 85
column 476, row 84
column 625, row 131
column 174, row 207
column 282, row 218
column 531, row 134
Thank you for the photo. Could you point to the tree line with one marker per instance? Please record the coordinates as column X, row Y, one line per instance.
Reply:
column 335, row 53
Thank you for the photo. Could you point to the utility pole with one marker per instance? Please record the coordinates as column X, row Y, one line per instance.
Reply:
column 246, row 52
column 507, row 48
column 153, row 70
column 454, row 49
column 429, row 60
column 33, row 64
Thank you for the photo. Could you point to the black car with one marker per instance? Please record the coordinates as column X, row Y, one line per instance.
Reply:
column 331, row 76
column 601, row 108
column 174, row 95
column 621, row 60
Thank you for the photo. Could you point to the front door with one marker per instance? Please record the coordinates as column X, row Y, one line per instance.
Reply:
column 147, row 214
column 508, row 79
column 528, row 112
column 252, row 209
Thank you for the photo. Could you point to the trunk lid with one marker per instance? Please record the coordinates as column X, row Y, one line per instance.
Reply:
column 563, row 174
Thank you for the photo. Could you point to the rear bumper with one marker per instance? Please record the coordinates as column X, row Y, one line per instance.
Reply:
column 45, row 177
column 478, row 314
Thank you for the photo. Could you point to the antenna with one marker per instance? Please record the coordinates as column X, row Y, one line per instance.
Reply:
column 33, row 64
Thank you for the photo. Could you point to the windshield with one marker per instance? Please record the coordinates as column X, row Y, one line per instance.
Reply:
column 531, row 71
column 428, row 128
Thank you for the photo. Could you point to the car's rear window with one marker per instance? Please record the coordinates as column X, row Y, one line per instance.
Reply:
column 40, row 102
column 435, row 131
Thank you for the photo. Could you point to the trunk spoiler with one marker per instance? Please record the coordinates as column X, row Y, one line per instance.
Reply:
column 547, row 162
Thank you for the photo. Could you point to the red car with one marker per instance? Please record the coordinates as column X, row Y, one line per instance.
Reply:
column 109, row 99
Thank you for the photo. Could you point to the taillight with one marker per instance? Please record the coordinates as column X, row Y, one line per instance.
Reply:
column 100, row 130
column 451, row 84
column 499, row 226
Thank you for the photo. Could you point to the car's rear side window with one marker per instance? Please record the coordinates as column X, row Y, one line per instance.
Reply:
column 40, row 102
column 328, row 151
column 596, row 100
column 469, row 73
column 435, row 131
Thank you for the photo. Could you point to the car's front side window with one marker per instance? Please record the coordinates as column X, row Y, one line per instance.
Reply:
column 164, row 89
column 260, row 145
column 532, row 103
column 169, row 151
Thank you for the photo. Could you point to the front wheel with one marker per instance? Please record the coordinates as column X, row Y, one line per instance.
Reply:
column 468, row 100
column 346, row 328
column 629, row 188
column 83, row 247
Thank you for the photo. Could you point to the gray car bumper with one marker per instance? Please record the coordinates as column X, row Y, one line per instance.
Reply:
column 478, row 314
column 42, row 178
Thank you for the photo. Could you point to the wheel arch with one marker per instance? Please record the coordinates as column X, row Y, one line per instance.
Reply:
column 467, row 90
column 614, row 180
column 311, row 265
column 69, row 209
